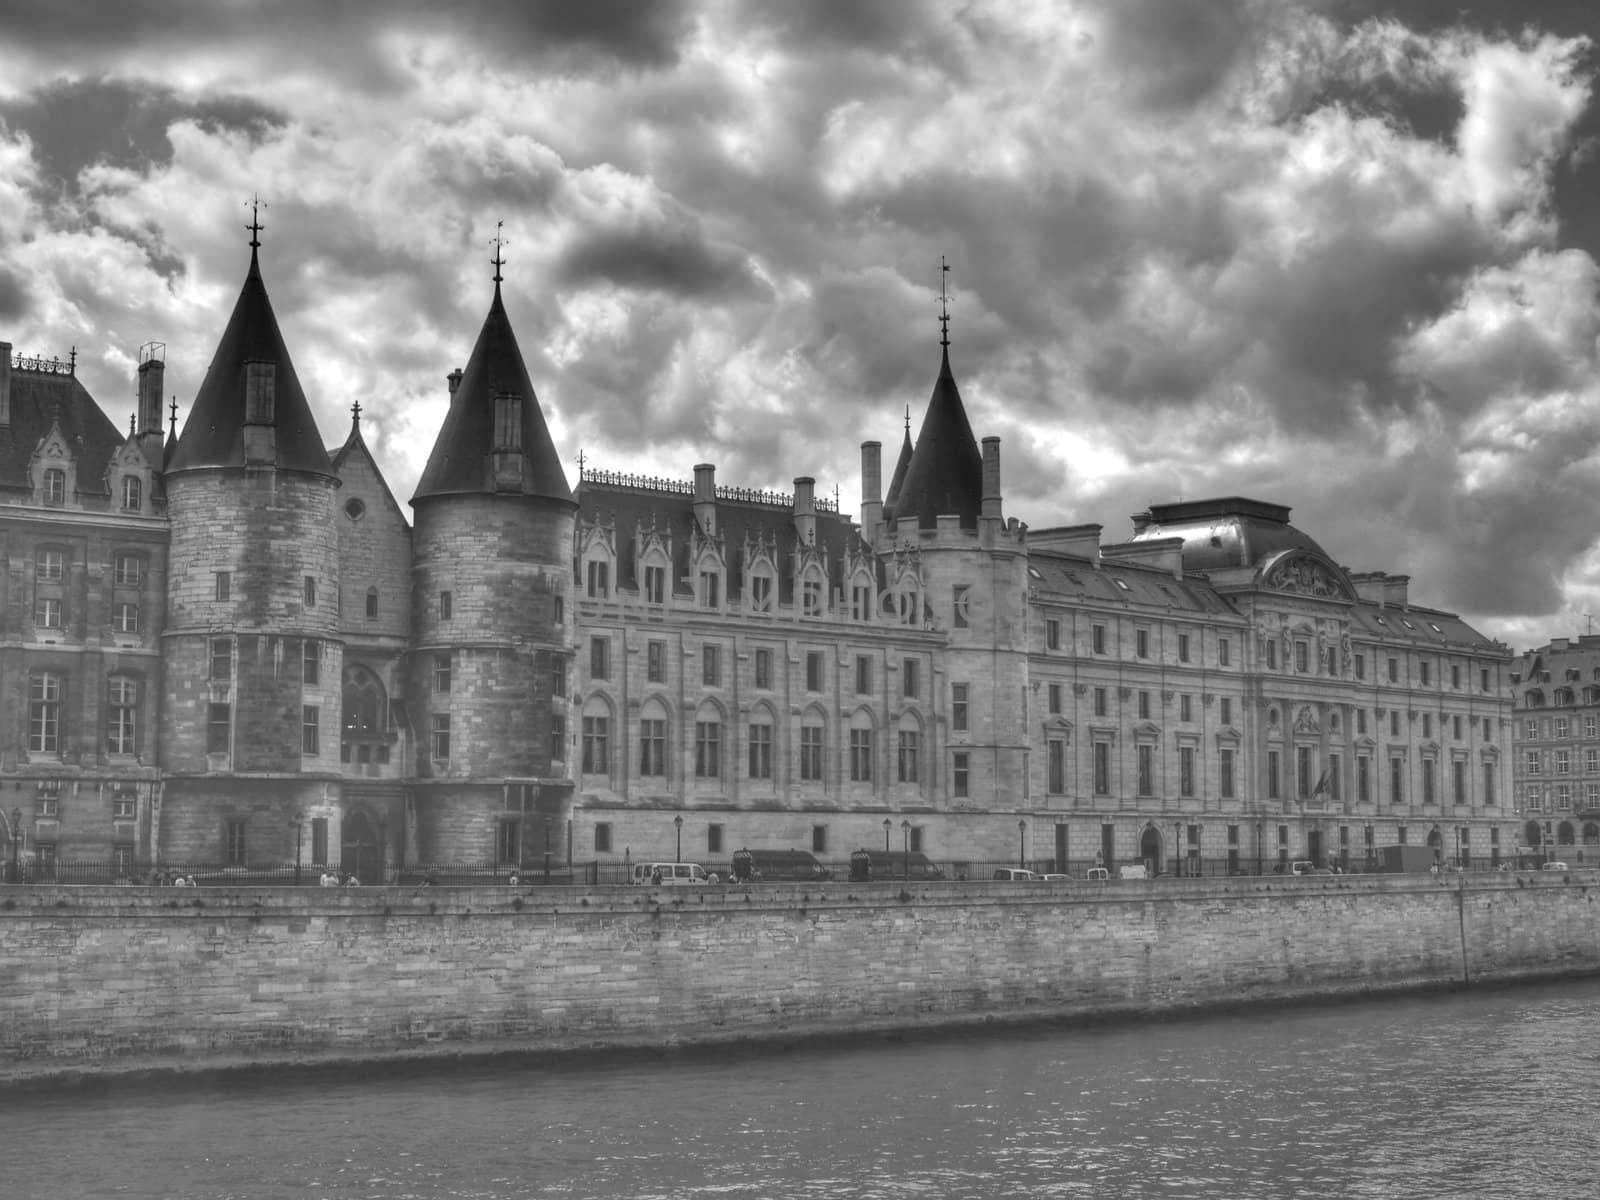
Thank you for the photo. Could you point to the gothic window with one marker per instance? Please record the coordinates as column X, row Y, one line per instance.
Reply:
column 131, row 492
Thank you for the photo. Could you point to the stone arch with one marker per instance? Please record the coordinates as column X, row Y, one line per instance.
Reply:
column 1532, row 834
column 1566, row 835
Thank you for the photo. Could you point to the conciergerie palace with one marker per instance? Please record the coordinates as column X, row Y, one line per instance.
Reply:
column 230, row 644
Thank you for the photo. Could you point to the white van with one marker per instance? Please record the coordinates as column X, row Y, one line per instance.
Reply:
column 669, row 874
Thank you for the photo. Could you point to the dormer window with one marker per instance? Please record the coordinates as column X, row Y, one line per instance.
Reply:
column 55, row 486
column 761, row 593
column 655, row 584
column 132, row 492
column 710, row 589
column 260, row 394
column 811, row 597
column 508, row 423
column 597, row 579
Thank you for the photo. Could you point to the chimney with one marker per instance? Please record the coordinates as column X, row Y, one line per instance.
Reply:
column 454, row 380
column 871, row 487
column 705, row 497
column 1394, row 590
column 5, row 384
column 991, row 477
column 805, row 509
column 152, row 373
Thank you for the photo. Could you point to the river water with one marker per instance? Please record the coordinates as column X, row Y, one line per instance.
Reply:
column 1483, row 1094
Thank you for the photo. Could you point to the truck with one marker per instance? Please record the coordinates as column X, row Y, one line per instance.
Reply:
column 1395, row 860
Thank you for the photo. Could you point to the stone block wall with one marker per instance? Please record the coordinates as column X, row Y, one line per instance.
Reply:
column 97, row 979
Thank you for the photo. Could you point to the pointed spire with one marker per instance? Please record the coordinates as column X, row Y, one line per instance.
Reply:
column 944, row 474
column 482, row 448
column 355, row 415
column 251, row 356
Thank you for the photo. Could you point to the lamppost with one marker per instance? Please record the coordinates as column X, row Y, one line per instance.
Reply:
column 678, row 821
column 1177, row 860
column 1258, row 847
column 905, row 840
column 1369, row 845
column 887, row 825
column 547, row 846
column 16, row 844
column 1022, row 845
column 299, row 843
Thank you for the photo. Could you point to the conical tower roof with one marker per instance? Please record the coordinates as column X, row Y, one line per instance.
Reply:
column 213, row 436
column 945, row 474
column 462, row 458
column 899, row 477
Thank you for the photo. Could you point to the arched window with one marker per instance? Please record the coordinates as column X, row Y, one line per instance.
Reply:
column 862, row 747
column 708, row 742
column 1565, row 834
column 653, row 724
column 1591, row 833
column 812, row 744
column 908, row 750
column 759, row 743
column 132, row 492
column 1533, row 698
column 596, row 736
column 1532, row 834
column 364, row 726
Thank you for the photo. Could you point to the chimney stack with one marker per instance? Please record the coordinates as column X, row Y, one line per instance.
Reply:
column 991, row 477
column 5, row 384
column 152, row 374
column 871, row 488
column 805, row 509
column 454, row 380
column 705, row 497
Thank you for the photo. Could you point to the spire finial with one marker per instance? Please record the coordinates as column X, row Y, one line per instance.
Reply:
column 132, row 418
column 355, row 413
column 944, row 309
column 499, row 245
column 72, row 361
column 174, row 424
column 255, row 227
column 908, row 420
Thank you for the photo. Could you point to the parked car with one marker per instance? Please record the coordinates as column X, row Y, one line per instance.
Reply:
column 1097, row 875
column 1055, row 877
column 669, row 874
column 1554, row 866
column 1306, row 867
column 1015, row 874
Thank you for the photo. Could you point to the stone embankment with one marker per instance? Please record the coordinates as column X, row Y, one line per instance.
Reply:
column 100, row 980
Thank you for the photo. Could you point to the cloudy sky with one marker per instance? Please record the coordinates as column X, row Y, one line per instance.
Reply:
column 1338, row 254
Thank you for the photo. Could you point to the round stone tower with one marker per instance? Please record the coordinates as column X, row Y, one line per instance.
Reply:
column 491, row 579
column 249, row 738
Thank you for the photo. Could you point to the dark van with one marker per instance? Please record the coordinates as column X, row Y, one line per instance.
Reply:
column 782, row 866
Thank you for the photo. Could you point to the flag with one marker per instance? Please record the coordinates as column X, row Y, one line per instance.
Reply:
column 1322, row 784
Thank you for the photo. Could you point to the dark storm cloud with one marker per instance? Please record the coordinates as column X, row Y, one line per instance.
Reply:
column 669, row 253
column 345, row 39
column 121, row 122
column 13, row 296
column 1173, row 53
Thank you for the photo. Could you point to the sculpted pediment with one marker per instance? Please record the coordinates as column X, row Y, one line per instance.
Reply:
column 1300, row 573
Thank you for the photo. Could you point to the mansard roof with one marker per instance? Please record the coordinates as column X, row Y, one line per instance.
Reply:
column 44, row 394
column 945, row 474
column 461, row 461
column 670, row 510
column 213, row 434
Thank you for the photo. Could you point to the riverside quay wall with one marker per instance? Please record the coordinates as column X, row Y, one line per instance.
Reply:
column 107, row 979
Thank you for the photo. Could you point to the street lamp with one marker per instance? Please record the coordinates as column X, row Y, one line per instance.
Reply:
column 1258, row 847
column 905, row 839
column 16, row 845
column 299, row 843
column 678, row 821
column 887, row 824
column 1177, row 861
column 1022, row 845
column 547, row 846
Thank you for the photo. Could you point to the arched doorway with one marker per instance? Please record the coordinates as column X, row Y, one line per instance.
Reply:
column 1565, row 834
column 1150, row 849
column 1532, row 835
column 359, row 852
column 1436, row 844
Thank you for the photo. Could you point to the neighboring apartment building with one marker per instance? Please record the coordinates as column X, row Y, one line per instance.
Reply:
column 1556, row 749
column 231, row 646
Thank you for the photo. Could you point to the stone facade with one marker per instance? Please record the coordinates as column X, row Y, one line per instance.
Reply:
column 238, row 651
column 1556, row 750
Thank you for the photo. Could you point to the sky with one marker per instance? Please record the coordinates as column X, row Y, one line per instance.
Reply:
column 1342, row 255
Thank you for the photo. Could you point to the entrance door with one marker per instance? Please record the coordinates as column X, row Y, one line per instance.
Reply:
column 1314, row 846
column 358, row 849
column 1150, row 849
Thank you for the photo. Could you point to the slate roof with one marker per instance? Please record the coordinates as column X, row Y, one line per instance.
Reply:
column 37, row 399
column 1110, row 582
column 460, row 461
column 213, row 434
column 899, row 476
column 945, row 474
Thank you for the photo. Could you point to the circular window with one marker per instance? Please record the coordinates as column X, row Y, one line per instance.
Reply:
column 355, row 509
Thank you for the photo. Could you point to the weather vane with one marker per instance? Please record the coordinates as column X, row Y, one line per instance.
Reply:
column 499, row 244
column 944, row 310
column 255, row 227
